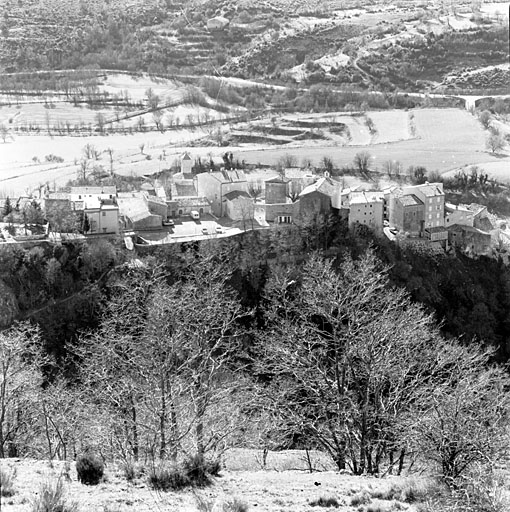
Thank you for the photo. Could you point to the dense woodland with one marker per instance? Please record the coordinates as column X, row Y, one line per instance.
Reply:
column 64, row 288
column 232, row 311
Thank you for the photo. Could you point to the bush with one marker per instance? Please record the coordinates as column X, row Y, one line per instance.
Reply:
column 132, row 470
column 410, row 491
column 51, row 498
column 362, row 498
column 234, row 505
column 90, row 469
column 195, row 471
column 7, row 482
column 168, row 478
column 329, row 501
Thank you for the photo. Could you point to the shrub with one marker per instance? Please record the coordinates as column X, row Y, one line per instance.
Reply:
column 199, row 470
column 361, row 499
column 166, row 478
column 132, row 470
column 51, row 498
column 234, row 505
column 230, row 504
column 90, row 469
column 7, row 482
column 195, row 471
column 323, row 501
column 410, row 491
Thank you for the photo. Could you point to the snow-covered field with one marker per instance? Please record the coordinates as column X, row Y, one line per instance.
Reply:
column 137, row 86
column 496, row 9
column 496, row 170
column 446, row 139
column 19, row 172
column 286, row 487
column 391, row 125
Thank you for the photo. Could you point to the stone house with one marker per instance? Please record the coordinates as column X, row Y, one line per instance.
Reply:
column 366, row 208
column 215, row 185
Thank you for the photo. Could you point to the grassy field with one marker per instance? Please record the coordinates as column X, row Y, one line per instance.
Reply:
column 285, row 486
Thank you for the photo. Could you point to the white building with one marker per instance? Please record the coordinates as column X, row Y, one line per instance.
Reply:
column 366, row 208
column 102, row 217
column 83, row 193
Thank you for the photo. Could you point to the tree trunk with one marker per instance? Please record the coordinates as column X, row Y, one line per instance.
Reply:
column 135, row 430
column 174, row 428
column 401, row 461
column 162, row 422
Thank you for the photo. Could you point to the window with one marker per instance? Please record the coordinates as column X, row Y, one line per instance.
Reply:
column 104, row 230
column 437, row 216
column 430, row 216
column 103, row 214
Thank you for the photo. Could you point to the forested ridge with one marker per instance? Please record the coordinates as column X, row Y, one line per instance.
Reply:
column 64, row 288
column 302, row 337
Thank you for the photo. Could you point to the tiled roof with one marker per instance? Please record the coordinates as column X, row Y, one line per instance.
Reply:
column 431, row 189
column 366, row 197
column 236, row 194
column 410, row 200
column 279, row 179
column 111, row 190
column 326, row 186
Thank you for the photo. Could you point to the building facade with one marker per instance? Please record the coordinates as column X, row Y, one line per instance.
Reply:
column 215, row 185
column 407, row 213
column 366, row 208
column 432, row 196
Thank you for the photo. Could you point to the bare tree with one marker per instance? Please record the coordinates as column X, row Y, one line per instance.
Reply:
column 495, row 142
column 362, row 162
column 90, row 152
column 157, row 116
column 20, row 376
column 152, row 99
column 254, row 189
column 162, row 361
column 485, row 119
column 354, row 361
column 110, row 152
column 466, row 418
column 100, row 121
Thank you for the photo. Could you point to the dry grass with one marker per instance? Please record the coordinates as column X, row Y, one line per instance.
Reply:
column 7, row 482
column 52, row 497
column 246, row 489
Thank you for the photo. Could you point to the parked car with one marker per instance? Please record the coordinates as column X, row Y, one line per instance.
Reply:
column 168, row 222
column 219, row 229
column 195, row 215
column 204, row 231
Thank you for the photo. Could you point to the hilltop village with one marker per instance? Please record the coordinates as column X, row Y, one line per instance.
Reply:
column 227, row 201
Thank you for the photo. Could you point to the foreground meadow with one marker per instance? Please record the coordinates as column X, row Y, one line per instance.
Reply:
column 285, row 486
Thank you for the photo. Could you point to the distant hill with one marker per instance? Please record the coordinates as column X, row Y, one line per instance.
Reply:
column 359, row 44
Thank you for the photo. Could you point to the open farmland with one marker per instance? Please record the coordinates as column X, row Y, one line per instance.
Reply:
column 447, row 139
column 444, row 139
column 20, row 173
